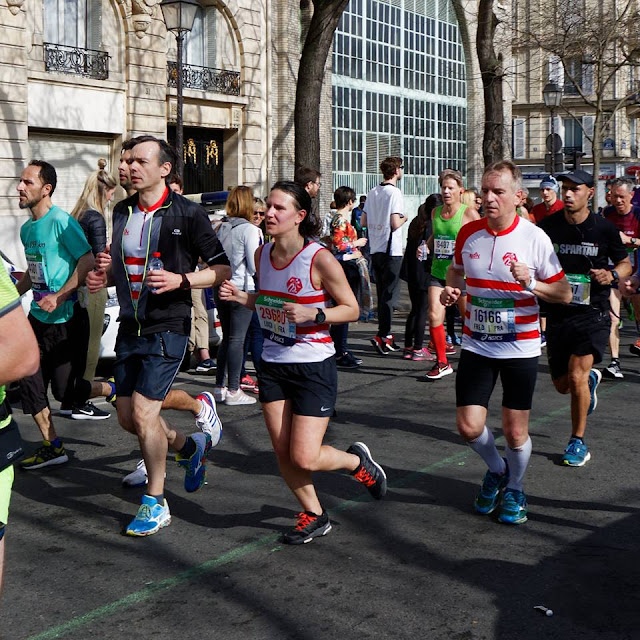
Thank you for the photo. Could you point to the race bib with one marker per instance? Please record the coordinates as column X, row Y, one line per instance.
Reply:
column 580, row 288
column 273, row 320
column 37, row 275
column 492, row 319
column 444, row 247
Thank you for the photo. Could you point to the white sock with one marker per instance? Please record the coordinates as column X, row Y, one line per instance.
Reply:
column 518, row 460
column 485, row 446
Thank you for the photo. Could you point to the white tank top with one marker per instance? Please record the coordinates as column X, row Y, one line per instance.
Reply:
column 284, row 341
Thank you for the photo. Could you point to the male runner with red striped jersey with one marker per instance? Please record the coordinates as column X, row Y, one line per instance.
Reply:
column 507, row 261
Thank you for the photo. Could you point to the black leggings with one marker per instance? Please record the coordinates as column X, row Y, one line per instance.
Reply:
column 417, row 319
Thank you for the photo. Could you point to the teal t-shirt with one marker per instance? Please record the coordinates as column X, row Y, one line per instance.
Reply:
column 52, row 245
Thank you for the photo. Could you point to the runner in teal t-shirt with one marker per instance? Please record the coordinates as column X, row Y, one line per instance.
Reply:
column 52, row 244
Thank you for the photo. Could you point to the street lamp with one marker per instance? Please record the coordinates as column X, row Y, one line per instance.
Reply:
column 552, row 96
column 179, row 16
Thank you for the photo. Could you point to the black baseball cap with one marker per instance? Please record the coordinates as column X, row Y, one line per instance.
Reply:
column 578, row 177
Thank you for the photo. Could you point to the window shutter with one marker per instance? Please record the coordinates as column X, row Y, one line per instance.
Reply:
column 519, row 141
column 210, row 37
column 556, row 71
column 94, row 24
column 587, row 125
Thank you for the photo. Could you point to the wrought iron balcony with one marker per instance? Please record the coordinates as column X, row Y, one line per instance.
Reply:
column 80, row 62
column 204, row 78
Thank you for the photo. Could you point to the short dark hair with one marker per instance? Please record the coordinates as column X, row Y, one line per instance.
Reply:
column 305, row 175
column 174, row 178
column 389, row 166
column 127, row 145
column 342, row 196
column 310, row 226
column 166, row 152
column 47, row 173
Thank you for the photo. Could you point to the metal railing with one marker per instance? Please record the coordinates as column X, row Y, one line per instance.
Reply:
column 62, row 58
column 204, row 78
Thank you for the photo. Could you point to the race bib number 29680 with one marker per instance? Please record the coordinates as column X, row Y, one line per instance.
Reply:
column 273, row 320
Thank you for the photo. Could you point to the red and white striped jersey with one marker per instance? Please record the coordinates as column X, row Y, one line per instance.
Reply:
column 502, row 319
column 284, row 341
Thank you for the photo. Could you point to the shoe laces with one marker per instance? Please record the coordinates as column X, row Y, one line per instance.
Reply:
column 144, row 512
column 304, row 520
column 364, row 476
column 575, row 447
column 491, row 481
column 513, row 499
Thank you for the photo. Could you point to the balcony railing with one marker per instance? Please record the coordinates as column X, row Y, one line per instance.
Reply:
column 204, row 78
column 80, row 62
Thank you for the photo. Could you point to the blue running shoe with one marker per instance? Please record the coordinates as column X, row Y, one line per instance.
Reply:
column 195, row 467
column 151, row 517
column 208, row 420
column 513, row 507
column 492, row 485
column 577, row 453
column 594, row 380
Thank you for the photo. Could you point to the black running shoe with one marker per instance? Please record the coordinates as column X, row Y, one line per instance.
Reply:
column 369, row 472
column 348, row 361
column 308, row 527
column 89, row 412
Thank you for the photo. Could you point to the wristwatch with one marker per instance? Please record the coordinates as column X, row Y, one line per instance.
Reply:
column 321, row 318
column 615, row 276
column 634, row 241
column 185, row 284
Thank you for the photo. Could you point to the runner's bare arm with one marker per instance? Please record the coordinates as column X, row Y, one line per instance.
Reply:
column 24, row 284
column 604, row 276
column 558, row 292
column 18, row 347
column 453, row 289
column 397, row 220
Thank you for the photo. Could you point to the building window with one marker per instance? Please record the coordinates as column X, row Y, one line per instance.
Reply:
column 200, row 42
column 74, row 23
column 519, row 129
column 572, row 135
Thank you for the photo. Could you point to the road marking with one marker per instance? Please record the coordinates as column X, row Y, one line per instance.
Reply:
column 235, row 554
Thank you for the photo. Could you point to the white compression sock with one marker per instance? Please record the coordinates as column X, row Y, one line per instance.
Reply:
column 518, row 460
column 484, row 445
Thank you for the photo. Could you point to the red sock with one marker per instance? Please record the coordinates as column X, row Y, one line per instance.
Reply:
column 439, row 338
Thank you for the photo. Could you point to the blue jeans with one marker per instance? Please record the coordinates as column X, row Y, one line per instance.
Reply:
column 234, row 321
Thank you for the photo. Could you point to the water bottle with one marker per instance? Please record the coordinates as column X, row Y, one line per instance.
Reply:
column 155, row 264
column 424, row 251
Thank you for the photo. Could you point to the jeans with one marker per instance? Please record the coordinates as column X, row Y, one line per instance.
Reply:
column 234, row 320
column 253, row 343
column 387, row 272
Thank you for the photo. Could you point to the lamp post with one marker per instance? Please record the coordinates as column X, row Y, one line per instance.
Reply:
column 179, row 16
column 552, row 96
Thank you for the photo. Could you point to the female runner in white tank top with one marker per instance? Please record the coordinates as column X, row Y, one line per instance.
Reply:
column 297, row 278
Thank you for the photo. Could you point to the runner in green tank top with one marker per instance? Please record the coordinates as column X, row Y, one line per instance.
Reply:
column 447, row 222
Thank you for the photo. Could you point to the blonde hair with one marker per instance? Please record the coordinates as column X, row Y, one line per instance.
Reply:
column 94, row 194
column 469, row 198
column 240, row 203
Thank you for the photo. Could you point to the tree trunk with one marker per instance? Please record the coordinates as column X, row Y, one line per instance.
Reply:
column 317, row 44
column 491, row 71
column 596, row 148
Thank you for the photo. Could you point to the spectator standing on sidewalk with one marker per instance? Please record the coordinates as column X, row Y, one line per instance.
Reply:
column 384, row 216
column 59, row 258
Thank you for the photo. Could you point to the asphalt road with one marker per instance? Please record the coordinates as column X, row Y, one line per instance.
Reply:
column 419, row 564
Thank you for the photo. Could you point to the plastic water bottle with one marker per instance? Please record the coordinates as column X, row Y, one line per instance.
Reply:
column 155, row 264
column 424, row 251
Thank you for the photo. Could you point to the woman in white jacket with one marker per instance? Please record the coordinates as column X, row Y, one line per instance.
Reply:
column 240, row 239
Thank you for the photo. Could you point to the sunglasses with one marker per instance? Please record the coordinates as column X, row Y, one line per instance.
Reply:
column 259, row 213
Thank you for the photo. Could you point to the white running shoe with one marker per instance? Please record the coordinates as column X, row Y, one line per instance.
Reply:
column 219, row 393
column 137, row 478
column 238, row 398
column 208, row 420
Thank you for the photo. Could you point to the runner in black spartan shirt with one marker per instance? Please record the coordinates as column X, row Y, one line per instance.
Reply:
column 577, row 334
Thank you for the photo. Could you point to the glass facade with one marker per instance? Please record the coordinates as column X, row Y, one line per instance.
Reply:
column 399, row 88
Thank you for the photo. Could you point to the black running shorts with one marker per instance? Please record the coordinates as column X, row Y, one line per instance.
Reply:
column 580, row 334
column 311, row 387
column 477, row 376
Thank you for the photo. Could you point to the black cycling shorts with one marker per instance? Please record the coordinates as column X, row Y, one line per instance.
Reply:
column 312, row 387
column 477, row 376
column 580, row 334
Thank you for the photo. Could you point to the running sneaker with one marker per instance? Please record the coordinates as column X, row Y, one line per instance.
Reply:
column 380, row 345
column 513, row 507
column 369, row 472
column 195, row 467
column 112, row 396
column 543, row 339
column 439, row 370
column 449, row 350
column 247, row 383
column 219, row 393
column 348, row 361
column 420, row 355
column 89, row 412
column 206, row 366
column 391, row 343
column 635, row 348
column 489, row 494
column 65, row 413
column 138, row 477
column 45, row 456
column 151, row 517
column 613, row 370
column 407, row 353
column 577, row 453
column 208, row 420
column 308, row 527
column 237, row 398
column 594, row 380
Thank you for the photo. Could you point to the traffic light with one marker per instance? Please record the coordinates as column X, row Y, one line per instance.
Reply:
column 573, row 160
column 558, row 165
